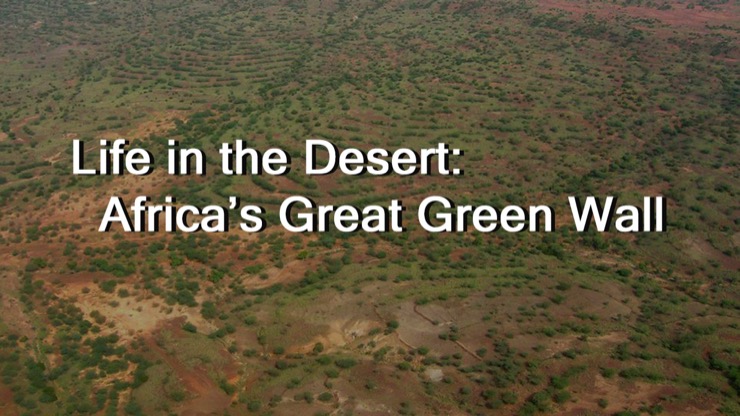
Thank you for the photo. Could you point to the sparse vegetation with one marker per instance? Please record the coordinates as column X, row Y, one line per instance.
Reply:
column 547, row 99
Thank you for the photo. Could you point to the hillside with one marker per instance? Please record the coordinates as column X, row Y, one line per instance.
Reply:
column 547, row 99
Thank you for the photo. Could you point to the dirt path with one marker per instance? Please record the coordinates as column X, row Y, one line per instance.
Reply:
column 210, row 399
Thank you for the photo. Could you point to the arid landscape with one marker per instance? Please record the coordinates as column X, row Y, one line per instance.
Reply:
column 547, row 99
